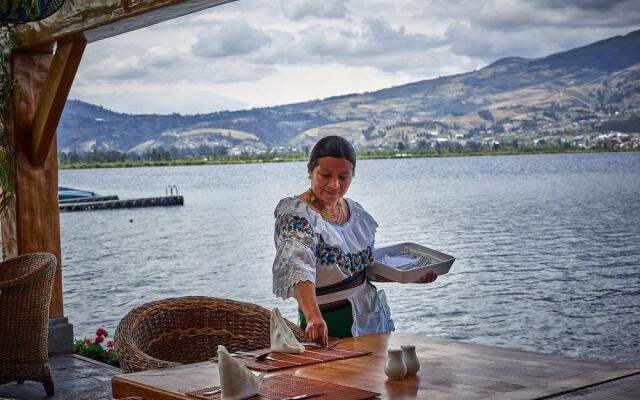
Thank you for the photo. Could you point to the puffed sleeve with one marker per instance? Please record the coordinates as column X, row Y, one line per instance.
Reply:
column 364, row 226
column 295, row 253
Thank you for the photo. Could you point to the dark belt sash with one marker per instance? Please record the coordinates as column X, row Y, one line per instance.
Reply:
column 338, row 292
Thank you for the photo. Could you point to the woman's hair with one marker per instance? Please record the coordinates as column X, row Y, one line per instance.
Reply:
column 332, row 146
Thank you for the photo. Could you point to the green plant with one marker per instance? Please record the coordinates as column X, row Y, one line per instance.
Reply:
column 98, row 349
column 8, row 40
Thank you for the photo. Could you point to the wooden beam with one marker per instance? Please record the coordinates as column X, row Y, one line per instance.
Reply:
column 34, row 224
column 51, row 103
column 100, row 19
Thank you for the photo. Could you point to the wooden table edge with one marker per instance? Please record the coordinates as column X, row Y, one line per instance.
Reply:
column 123, row 388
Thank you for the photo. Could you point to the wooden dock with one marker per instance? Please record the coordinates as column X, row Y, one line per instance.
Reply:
column 89, row 199
column 127, row 203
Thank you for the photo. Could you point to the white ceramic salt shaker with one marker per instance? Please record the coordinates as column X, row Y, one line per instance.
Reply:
column 410, row 359
column 394, row 367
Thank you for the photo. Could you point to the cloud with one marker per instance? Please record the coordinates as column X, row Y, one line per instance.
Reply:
column 231, row 39
column 494, row 29
column 520, row 15
column 318, row 41
column 591, row 5
column 241, row 48
column 224, row 72
column 117, row 68
column 301, row 9
column 371, row 42
column 490, row 45
column 149, row 98
column 379, row 38
column 107, row 63
column 160, row 57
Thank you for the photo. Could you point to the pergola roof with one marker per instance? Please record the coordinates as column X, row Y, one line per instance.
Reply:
column 100, row 19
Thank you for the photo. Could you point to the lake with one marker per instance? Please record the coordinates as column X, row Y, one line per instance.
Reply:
column 547, row 247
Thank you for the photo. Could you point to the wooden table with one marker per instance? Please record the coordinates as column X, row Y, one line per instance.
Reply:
column 449, row 370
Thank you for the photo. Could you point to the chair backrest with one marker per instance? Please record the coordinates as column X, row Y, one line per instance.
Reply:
column 26, row 283
column 18, row 270
column 189, row 329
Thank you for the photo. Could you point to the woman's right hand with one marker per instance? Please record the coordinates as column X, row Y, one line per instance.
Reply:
column 317, row 331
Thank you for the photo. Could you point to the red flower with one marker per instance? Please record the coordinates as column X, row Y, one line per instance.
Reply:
column 110, row 343
column 87, row 341
column 99, row 339
column 101, row 332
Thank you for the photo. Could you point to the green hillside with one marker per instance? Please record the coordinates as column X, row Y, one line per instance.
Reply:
column 590, row 90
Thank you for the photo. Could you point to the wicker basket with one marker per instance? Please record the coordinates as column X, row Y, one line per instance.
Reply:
column 25, row 293
column 185, row 330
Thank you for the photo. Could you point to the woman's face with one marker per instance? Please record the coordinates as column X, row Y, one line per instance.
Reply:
column 330, row 180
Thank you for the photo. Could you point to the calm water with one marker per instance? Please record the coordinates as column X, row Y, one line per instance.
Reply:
column 547, row 246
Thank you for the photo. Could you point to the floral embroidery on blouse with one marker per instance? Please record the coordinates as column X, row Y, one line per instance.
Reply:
column 292, row 222
column 353, row 262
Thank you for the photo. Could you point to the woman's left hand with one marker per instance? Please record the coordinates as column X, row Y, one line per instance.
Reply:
column 429, row 277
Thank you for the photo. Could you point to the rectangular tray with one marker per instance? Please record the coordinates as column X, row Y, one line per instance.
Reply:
column 386, row 273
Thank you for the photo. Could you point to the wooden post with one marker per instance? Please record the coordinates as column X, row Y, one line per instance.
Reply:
column 44, row 81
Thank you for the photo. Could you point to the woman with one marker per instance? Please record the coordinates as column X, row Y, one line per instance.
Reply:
column 324, row 243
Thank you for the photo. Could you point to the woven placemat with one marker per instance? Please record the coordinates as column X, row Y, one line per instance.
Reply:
column 311, row 355
column 281, row 386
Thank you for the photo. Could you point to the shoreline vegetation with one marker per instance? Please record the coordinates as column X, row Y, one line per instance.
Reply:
column 362, row 155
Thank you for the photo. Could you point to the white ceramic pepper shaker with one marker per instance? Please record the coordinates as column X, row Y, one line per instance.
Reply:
column 394, row 367
column 410, row 359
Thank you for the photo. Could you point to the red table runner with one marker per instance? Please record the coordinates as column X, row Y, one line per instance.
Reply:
column 281, row 386
column 311, row 355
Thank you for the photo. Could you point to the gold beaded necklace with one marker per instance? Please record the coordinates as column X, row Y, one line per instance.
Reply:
column 335, row 215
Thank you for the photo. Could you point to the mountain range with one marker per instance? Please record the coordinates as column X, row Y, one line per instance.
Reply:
column 590, row 89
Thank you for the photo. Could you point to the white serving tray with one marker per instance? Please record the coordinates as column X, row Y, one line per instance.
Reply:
column 439, row 262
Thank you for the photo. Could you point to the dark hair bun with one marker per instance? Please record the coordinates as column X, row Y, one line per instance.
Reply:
column 332, row 146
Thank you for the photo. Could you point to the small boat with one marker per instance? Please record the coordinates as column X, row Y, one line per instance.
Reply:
column 65, row 193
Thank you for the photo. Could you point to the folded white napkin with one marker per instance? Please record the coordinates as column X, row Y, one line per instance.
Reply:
column 282, row 338
column 400, row 262
column 236, row 381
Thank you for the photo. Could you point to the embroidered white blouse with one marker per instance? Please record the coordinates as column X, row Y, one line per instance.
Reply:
column 308, row 248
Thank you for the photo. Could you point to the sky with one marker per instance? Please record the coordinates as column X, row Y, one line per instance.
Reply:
column 258, row 53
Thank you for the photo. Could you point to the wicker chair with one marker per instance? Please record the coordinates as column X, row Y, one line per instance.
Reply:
column 185, row 330
column 25, row 293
